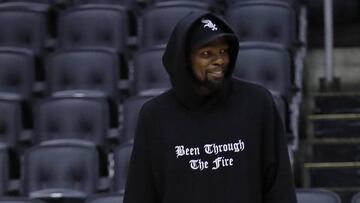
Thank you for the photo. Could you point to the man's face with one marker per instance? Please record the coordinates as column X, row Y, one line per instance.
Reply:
column 210, row 62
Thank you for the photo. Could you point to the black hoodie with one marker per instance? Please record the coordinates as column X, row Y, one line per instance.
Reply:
column 226, row 147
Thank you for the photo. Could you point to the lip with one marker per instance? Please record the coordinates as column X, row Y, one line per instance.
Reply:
column 216, row 74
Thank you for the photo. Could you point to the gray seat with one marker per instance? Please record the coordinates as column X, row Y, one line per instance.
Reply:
column 291, row 2
column 4, row 169
column 24, row 27
column 273, row 71
column 83, row 69
column 105, row 198
column 211, row 3
column 316, row 196
column 32, row 1
column 94, row 25
column 17, row 72
column 149, row 71
column 11, row 124
column 156, row 29
column 61, row 169
column 72, row 118
column 19, row 200
column 122, row 155
column 265, row 21
column 356, row 198
column 119, row 2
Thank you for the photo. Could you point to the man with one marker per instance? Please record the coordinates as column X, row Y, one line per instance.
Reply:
column 211, row 138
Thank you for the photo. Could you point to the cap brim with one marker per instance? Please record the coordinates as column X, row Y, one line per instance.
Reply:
column 230, row 37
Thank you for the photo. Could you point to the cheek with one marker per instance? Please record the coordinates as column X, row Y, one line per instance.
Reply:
column 200, row 69
column 226, row 60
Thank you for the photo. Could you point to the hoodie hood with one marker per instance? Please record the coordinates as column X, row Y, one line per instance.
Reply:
column 176, row 60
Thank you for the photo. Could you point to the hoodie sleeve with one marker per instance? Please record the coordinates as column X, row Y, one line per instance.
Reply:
column 140, row 186
column 278, row 185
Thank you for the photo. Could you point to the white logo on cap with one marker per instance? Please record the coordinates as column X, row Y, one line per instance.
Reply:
column 209, row 24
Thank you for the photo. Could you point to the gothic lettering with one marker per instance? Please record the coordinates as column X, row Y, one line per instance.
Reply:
column 181, row 151
column 198, row 164
column 216, row 149
column 222, row 162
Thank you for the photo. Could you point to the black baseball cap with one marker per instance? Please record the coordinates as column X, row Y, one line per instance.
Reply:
column 207, row 29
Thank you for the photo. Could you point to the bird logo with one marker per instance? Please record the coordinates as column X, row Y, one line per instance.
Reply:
column 208, row 23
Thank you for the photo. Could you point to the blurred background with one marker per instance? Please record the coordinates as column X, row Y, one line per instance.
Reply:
column 74, row 74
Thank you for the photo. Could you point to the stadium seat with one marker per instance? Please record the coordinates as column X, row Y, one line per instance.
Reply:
column 83, row 69
column 31, row 1
column 291, row 2
column 94, row 25
column 212, row 3
column 4, row 169
column 72, row 118
column 265, row 21
column 42, row 6
column 105, row 198
column 316, row 196
column 23, row 26
column 149, row 72
column 17, row 72
column 156, row 29
column 122, row 155
column 273, row 71
column 356, row 198
column 11, row 124
column 120, row 2
column 60, row 169
column 132, row 108
column 18, row 199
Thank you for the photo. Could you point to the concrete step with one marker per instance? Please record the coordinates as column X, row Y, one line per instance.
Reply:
column 333, row 150
column 332, row 174
column 334, row 126
column 337, row 102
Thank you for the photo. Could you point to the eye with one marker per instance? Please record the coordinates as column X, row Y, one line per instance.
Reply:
column 223, row 51
column 205, row 54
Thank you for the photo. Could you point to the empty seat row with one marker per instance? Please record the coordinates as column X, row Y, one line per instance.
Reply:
column 65, row 169
column 97, row 198
column 108, row 25
column 88, row 25
column 73, row 69
column 97, row 69
column 58, row 118
column 63, row 117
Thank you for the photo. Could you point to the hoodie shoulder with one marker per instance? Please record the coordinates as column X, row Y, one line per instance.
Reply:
column 159, row 103
column 250, row 89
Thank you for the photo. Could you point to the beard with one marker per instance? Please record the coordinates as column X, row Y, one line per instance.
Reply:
column 209, row 86
column 213, row 84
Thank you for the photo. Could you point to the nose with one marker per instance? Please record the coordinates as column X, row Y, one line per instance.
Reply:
column 219, row 59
